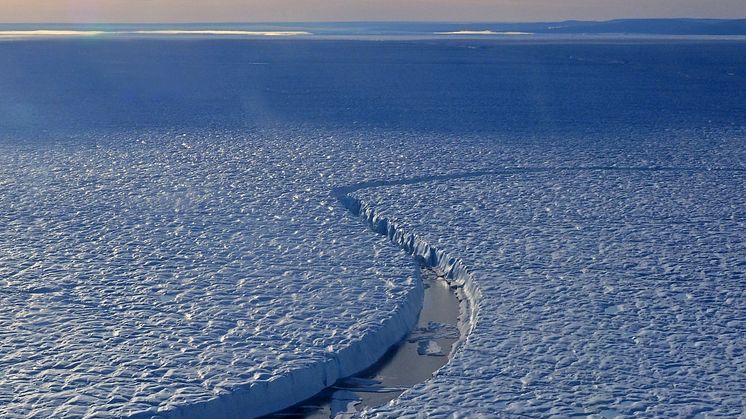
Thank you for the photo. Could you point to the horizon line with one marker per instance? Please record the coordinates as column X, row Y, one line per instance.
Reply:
column 247, row 22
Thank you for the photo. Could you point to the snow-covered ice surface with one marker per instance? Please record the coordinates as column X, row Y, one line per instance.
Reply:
column 172, row 240
column 600, row 290
column 147, row 277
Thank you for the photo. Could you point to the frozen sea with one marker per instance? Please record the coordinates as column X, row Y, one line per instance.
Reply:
column 189, row 225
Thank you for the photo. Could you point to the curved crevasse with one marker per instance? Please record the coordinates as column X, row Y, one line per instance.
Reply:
column 604, row 288
column 266, row 397
column 451, row 267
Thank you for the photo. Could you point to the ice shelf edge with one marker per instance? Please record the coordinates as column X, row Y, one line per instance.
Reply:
column 266, row 397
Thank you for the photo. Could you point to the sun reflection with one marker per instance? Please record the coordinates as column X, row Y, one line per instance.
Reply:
column 45, row 33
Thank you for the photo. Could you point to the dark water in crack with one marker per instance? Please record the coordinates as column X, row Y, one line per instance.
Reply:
column 414, row 360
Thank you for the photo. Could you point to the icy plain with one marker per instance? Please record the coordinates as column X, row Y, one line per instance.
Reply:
column 607, row 291
column 178, row 240
column 147, row 278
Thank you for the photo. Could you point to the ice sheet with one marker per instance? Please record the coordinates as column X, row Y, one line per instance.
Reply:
column 171, row 273
column 172, row 241
column 599, row 290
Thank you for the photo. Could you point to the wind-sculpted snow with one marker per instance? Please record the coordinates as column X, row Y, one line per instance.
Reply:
column 192, row 275
column 178, row 273
column 172, row 240
column 608, row 291
column 216, row 273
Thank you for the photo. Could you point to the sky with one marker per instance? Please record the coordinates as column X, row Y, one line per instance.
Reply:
column 165, row 11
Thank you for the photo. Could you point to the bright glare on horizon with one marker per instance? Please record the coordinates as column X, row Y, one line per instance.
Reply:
column 68, row 33
column 141, row 11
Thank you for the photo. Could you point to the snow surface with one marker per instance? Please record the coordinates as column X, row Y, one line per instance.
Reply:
column 166, row 278
column 177, row 240
column 599, row 290
column 186, row 272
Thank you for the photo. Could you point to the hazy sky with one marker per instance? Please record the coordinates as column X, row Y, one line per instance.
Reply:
column 334, row 10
